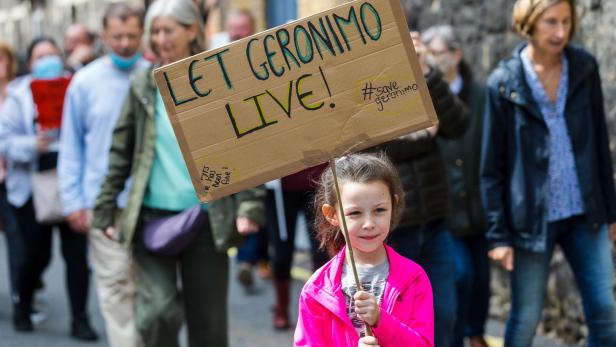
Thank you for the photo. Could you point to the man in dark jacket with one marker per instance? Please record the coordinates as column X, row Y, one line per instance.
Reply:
column 423, row 235
column 467, row 219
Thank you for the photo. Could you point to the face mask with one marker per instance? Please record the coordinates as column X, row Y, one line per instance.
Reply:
column 124, row 63
column 48, row 68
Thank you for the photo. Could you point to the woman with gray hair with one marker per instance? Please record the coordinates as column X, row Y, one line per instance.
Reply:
column 145, row 149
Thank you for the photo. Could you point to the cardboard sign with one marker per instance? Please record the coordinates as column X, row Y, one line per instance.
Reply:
column 48, row 96
column 295, row 96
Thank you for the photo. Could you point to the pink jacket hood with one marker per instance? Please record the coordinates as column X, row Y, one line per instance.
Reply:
column 407, row 312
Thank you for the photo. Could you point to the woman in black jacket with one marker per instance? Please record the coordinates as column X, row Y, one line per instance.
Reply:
column 547, row 176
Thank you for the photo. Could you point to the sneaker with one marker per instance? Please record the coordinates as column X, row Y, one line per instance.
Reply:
column 81, row 330
column 22, row 321
column 244, row 274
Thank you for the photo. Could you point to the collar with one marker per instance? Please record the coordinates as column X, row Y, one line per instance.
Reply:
column 513, row 85
column 538, row 91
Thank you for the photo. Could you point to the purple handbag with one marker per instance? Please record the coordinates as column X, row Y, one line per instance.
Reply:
column 170, row 235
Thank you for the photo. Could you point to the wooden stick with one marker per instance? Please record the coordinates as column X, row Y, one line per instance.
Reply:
column 332, row 165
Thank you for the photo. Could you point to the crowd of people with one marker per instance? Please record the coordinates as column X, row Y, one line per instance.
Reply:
column 514, row 168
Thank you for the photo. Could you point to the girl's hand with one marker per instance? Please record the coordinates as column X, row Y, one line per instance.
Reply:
column 367, row 308
column 368, row 341
column 504, row 256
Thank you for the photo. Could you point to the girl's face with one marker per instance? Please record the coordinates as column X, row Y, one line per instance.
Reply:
column 368, row 211
column 552, row 30
column 171, row 40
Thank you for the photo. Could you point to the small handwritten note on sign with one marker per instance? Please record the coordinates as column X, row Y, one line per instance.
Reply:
column 294, row 96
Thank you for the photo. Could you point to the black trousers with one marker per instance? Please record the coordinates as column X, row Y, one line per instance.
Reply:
column 13, row 239
column 37, row 247
column 282, row 259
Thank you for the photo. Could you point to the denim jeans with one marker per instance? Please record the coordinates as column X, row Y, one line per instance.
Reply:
column 249, row 252
column 431, row 246
column 588, row 254
column 473, row 287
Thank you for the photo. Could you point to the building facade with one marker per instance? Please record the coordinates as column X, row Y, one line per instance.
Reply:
column 22, row 20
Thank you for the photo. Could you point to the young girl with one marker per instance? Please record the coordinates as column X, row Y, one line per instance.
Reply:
column 396, row 296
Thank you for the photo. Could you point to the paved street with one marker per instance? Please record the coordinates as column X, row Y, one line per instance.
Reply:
column 249, row 319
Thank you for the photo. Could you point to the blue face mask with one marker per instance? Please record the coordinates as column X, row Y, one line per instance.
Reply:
column 48, row 68
column 124, row 63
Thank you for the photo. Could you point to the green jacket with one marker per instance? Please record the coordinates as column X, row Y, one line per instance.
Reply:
column 132, row 155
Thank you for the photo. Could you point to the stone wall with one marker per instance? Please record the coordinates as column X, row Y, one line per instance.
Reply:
column 485, row 27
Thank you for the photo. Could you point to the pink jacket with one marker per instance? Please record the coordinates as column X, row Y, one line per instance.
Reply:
column 407, row 313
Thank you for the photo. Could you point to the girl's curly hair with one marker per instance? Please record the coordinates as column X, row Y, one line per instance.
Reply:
column 361, row 168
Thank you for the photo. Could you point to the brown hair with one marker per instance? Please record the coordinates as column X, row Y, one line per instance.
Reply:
column 123, row 12
column 8, row 52
column 362, row 168
column 527, row 12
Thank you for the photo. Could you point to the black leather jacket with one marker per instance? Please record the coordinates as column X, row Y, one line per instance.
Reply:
column 515, row 152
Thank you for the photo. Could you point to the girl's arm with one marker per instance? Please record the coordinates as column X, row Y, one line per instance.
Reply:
column 418, row 331
column 309, row 329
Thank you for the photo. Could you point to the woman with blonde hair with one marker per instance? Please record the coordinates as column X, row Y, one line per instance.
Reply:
column 145, row 149
column 546, row 175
